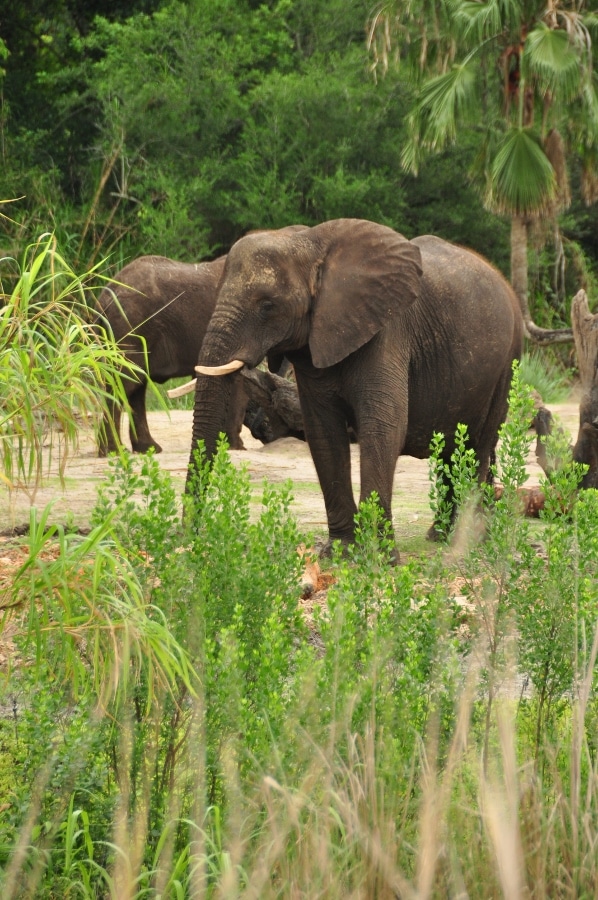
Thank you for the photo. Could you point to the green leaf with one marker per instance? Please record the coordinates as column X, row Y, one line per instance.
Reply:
column 443, row 102
column 482, row 20
column 522, row 180
column 551, row 58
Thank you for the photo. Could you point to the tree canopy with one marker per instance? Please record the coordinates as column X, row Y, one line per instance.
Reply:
column 174, row 127
column 521, row 76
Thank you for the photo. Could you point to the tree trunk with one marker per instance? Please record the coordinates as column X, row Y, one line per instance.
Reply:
column 585, row 333
column 519, row 280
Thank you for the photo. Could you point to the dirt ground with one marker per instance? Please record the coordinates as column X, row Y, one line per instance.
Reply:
column 285, row 459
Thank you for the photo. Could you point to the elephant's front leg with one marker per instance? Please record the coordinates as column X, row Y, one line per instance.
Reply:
column 109, row 432
column 380, row 444
column 139, row 433
column 381, row 408
column 328, row 439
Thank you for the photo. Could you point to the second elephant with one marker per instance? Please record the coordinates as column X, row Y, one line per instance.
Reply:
column 165, row 305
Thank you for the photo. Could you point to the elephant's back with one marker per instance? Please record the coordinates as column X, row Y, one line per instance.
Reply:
column 468, row 297
column 467, row 330
column 163, row 288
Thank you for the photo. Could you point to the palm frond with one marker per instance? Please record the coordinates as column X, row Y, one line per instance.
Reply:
column 551, row 60
column 522, row 181
column 481, row 21
column 443, row 102
column 421, row 36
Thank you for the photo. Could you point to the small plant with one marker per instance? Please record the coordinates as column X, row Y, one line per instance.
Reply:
column 452, row 482
column 55, row 365
column 245, row 621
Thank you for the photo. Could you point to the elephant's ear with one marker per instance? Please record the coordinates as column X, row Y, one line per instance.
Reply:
column 366, row 274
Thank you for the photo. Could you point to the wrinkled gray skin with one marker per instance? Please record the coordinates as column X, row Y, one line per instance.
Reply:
column 396, row 339
column 169, row 304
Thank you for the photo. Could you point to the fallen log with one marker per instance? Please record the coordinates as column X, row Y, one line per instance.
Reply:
column 273, row 410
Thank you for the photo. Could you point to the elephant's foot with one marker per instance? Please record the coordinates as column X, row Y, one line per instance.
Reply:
column 144, row 446
column 327, row 550
column 436, row 533
column 105, row 449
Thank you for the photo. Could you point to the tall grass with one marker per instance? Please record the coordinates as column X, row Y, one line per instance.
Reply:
column 430, row 733
column 56, row 366
column 547, row 376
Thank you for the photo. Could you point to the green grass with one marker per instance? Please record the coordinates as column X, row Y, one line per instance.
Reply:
column 185, row 402
column 55, row 367
column 546, row 376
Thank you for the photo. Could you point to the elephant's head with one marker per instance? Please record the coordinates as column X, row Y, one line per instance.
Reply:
column 328, row 289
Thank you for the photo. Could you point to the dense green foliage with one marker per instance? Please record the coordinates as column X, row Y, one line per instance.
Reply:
column 177, row 126
column 243, row 745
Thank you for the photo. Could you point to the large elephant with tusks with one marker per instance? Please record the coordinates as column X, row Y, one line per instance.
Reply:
column 393, row 338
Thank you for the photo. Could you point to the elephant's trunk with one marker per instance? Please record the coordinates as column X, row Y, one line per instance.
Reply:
column 212, row 401
column 213, row 396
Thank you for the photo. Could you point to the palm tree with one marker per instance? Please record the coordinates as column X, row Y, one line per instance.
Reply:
column 520, row 73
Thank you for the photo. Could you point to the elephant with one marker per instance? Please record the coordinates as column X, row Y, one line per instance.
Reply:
column 393, row 338
column 163, row 306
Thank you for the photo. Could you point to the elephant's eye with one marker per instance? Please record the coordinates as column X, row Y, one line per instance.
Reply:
column 266, row 307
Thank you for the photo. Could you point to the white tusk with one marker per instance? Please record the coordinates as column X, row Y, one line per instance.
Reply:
column 182, row 389
column 233, row 366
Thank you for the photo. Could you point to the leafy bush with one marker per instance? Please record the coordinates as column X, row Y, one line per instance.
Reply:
column 387, row 745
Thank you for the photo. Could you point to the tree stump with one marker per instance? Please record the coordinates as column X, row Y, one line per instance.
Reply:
column 585, row 335
column 273, row 410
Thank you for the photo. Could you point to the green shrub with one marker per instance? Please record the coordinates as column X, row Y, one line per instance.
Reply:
column 384, row 746
column 546, row 375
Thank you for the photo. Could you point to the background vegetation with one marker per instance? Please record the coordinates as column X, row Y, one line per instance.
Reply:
column 174, row 127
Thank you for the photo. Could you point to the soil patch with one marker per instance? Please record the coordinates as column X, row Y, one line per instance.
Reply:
column 285, row 459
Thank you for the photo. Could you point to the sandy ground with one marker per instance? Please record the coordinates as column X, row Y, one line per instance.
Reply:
column 285, row 459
